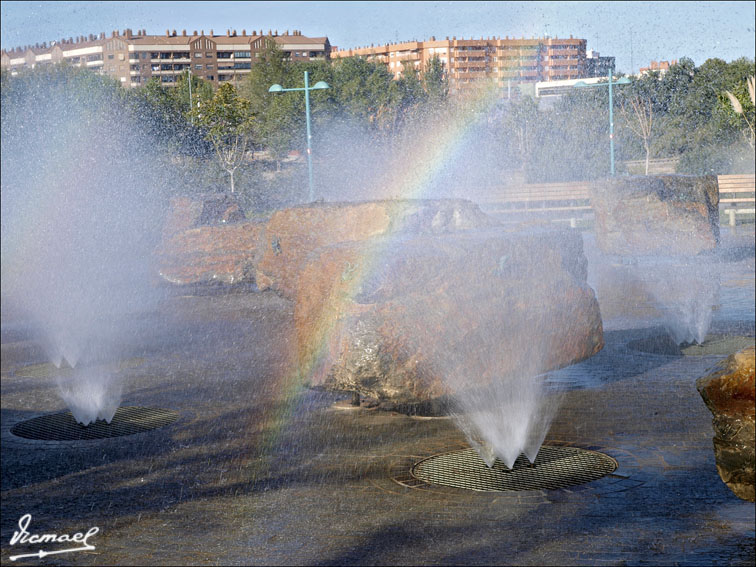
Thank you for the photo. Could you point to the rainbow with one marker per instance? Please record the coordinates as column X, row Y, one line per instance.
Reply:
column 437, row 147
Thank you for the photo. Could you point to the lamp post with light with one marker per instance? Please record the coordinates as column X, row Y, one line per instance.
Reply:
column 610, row 83
column 307, row 88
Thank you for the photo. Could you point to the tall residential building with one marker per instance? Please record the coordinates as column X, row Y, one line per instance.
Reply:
column 660, row 66
column 597, row 66
column 134, row 58
column 471, row 62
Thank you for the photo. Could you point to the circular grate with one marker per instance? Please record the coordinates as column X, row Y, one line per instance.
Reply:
column 712, row 345
column 554, row 467
column 63, row 427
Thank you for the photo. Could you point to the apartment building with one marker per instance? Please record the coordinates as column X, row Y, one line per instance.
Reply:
column 472, row 62
column 135, row 58
column 661, row 66
column 597, row 66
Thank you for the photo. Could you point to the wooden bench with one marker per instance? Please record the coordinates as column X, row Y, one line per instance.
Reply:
column 540, row 198
column 736, row 193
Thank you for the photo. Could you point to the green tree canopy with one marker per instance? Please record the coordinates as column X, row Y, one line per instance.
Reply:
column 227, row 122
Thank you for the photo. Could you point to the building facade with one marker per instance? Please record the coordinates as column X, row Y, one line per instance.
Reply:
column 597, row 66
column 135, row 58
column 472, row 62
column 660, row 66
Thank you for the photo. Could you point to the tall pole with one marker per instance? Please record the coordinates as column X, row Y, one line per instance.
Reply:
column 317, row 86
column 611, row 122
column 309, row 134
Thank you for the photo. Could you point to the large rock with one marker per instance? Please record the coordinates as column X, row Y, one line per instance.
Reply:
column 293, row 233
column 208, row 209
column 212, row 254
column 205, row 240
column 656, row 214
column 392, row 317
column 729, row 394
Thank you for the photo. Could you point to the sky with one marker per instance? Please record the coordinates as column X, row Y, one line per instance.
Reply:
column 634, row 32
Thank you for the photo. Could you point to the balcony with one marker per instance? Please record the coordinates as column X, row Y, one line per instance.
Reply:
column 470, row 53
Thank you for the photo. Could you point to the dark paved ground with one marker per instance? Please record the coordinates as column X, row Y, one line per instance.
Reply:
column 259, row 471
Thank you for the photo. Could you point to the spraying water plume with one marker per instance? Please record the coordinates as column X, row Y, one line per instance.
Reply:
column 80, row 189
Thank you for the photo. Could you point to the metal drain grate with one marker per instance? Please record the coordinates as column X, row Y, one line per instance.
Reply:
column 554, row 467
column 712, row 345
column 63, row 426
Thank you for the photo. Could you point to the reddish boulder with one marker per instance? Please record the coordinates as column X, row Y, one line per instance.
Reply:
column 293, row 233
column 656, row 214
column 206, row 241
column 729, row 393
column 211, row 254
column 189, row 212
column 389, row 317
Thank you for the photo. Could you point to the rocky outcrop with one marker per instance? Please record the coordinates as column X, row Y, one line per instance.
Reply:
column 211, row 254
column 661, row 214
column 394, row 318
column 206, row 240
column 210, row 209
column 729, row 394
column 294, row 233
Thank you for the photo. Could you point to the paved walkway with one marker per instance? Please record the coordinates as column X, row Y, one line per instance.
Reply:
column 257, row 471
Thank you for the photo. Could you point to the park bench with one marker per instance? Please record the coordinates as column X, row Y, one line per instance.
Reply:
column 736, row 193
column 570, row 199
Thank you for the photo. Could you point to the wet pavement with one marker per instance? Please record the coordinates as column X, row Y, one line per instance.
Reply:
column 261, row 470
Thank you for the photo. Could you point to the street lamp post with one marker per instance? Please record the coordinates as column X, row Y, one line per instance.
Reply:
column 621, row 81
column 307, row 88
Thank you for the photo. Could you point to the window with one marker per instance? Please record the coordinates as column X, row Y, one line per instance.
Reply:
column 210, row 78
column 110, row 56
column 241, row 54
column 155, row 54
column 197, row 54
column 155, row 67
column 121, row 57
column 165, row 55
column 167, row 79
column 209, row 66
column 242, row 65
column 209, row 54
column 166, row 67
column 224, row 55
column 198, row 67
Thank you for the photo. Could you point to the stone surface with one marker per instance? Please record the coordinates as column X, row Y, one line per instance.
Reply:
column 211, row 254
column 656, row 214
column 729, row 394
column 205, row 240
column 293, row 233
column 189, row 212
column 389, row 317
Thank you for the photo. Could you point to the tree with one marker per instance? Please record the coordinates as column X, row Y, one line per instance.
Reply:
column 638, row 107
column 227, row 121
column 435, row 81
column 739, row 104
column 520, row 123
column 201, row 91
